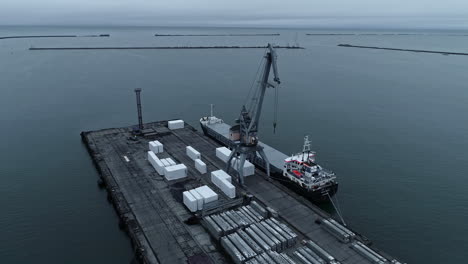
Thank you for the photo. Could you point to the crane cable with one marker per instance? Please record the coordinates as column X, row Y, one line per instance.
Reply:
column 275, row 108
column 262, row 61
column 338, row 211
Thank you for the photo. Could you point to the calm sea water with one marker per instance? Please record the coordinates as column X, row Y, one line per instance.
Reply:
column 392, row 125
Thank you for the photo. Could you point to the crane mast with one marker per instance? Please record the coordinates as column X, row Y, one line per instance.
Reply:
column 244, row 134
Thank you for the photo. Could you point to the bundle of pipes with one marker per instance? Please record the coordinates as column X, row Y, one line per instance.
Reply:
column 306, row 255
column 339, row 231
column 225, row 223
column 271, row 257
column 368, row 253
column 249, row 235
column 257, row 239
column 274, row 235
column 319, row 251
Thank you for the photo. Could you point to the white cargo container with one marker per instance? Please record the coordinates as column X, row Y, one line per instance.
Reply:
column 190, row 201
column 152, row 157
column 228, row 188
column 171, row 161
column 200, row 166
column 192, row 153
column 220, row 174
column 156, row 147
column 198, row 197
column 165, row 162
column 156, row 163
column 153, row 146
column 159, row 167
column 207, row 193
column 249, row 168
column 223, row 181
column 223, row 153
column 175, row 172
column 175, row 124
column 160, row 146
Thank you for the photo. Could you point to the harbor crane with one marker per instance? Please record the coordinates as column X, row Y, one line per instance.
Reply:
column 244, row 133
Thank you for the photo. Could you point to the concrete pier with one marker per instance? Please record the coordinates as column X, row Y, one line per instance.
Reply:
column 163, row 230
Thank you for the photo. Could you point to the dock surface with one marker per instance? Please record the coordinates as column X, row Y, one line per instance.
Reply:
column 150, row 208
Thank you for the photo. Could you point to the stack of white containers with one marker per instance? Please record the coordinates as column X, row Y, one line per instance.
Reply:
column 223, row 153
column 169, row 161
column 192, row 153
column 196, row 156
column 249, row 168
column 166, row 167
column 196, row 198
column 200, row 166
column 175, row 172
column 175, row 124
column 165, row 162
column 156, row 147
column 190, row 201
column 223, row 181
column 156, row 163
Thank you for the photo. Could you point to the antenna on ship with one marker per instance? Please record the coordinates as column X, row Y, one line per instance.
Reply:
column 306, row 147
column 211, row 110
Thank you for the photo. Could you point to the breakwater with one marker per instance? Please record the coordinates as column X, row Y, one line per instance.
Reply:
column 408, row 50
column 217, row 35
column 160, row 48
column 384, row 34
column 56, row 36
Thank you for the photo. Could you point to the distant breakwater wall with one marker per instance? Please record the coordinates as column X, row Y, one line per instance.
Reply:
column 408, row 50
column 384, row 34
column 216, row 35
column 165, row 48
column 57, row 36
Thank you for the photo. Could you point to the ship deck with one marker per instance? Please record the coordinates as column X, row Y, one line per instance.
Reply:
column 275, row 157
column 151, row 209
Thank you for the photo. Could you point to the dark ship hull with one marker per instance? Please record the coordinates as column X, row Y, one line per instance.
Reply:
column 321, row 195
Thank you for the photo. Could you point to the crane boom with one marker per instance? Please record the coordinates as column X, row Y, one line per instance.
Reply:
column 244, row 134
column 270, row 63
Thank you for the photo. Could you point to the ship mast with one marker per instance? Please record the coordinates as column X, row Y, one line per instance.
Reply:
column 306, row 147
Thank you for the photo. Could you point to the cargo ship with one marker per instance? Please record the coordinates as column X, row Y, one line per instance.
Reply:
column 299, row 172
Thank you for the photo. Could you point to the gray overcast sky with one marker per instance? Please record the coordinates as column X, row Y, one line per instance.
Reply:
column 389, row 13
